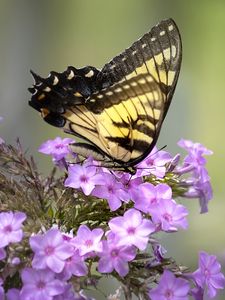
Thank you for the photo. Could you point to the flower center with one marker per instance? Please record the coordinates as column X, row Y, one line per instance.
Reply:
column 83, row 178
column 59, row 146
column 8, row 229
column 167, row 217
column 207, row 273
column 88, row 243
column 153, row 201
column 110, row 189
column 41, row 285
column 114, row 253
column 150, row 162
column 49, row 250
column 131, row 230
column 169, row 294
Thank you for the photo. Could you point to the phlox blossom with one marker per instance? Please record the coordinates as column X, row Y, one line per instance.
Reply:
column 10, row 227
column 57, row 148
column 40, row 285
column 112, row 190
column 85, row 177
column 87, row 241
column 150, row 196
column 50, row 250
column 170, row 288
column 208, row 276
column 132, row 229
column 114, row 257
column 169, row 215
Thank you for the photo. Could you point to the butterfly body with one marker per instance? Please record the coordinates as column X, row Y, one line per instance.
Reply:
column 118, row 110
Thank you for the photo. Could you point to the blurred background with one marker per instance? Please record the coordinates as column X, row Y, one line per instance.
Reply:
column 49, row 35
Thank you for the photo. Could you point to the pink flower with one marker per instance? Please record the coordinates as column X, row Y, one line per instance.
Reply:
column 169, row 215
column 131, row 229
column 51, row 250
column 154, row 163
column 10, row 227
column 84, row 177
column 57, row 148
column 88, row 240
column 208, row 276
column 150, row 196
column 170, row 288
column 112, row 190
column 75, row 265
column 114, row 257
column 40, row 284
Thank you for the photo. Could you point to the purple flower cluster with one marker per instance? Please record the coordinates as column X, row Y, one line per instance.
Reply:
column 147, row 206
column 58, row 257
column 118, row 187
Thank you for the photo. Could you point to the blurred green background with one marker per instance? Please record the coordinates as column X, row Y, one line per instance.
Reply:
column 49, row 35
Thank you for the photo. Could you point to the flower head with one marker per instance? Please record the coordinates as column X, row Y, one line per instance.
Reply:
column 114, row 257
column 40, row 284
column 132, row 229
column 169, row 215
column 10, row 227
column 208, row 276
column 74, row 265
column 88, row 240
column 57, row 148
column 154, row 163
column 150, row 196
column 170, row 288
column 51, row 250
column 84, row 177
column 112, row 190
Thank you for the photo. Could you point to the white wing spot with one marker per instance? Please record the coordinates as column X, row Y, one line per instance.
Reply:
column 126, row 86
column 71, row 75
column 55, row 80
column 100, row 96
column 142, row 81
column 149, row 78
column 92, row 100
column 134, row 83
column 112, row 67
column 143, row 45
column 118, row 90
column 109, row 93
column 174, row 51
column 153, row 39
column 134, row 52
column 89, row 74
column 162, row 33
column 170, row 28
column 124, row 58
column 47, row 89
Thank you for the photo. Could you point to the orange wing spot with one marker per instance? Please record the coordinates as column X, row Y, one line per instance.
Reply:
column 41, row 97
column 44, row 112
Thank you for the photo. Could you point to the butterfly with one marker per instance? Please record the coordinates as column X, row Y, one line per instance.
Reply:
column 118, row 110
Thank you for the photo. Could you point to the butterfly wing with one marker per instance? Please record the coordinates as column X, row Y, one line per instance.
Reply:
column 126, row 103
column 138, row 86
